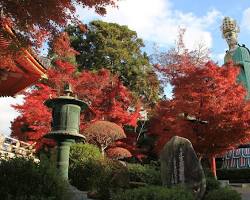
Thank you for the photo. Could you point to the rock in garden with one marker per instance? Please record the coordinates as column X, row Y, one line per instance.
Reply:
column 180, row 165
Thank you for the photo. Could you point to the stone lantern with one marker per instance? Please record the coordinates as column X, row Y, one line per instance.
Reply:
column 65, row 126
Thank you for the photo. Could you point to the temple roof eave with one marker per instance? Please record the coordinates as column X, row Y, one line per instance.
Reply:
column 26, row 71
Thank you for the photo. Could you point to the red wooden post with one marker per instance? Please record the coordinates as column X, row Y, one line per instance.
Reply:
column 213, row 166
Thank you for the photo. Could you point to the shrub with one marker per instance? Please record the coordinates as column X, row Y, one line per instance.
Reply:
column 82, row 175
column 223, row 194
column 212, row 184
column 103, row 133
column 118, row 153
column 84, row 165
column 79, row 153
column 144, row 173
column 113, row 177
column 103, row 176
column 154, row 193
column 22, row 179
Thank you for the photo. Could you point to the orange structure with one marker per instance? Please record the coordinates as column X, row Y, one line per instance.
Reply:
column 21, row 68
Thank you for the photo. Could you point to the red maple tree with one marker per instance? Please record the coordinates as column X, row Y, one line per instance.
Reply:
column 103, row 134
column 118, row 153
column 208, row 108
column 107, row 98
column 36, row 19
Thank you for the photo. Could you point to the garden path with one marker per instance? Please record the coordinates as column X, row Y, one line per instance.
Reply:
column 245, row 192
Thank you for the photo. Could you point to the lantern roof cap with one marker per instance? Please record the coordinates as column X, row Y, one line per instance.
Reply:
column 67, row 98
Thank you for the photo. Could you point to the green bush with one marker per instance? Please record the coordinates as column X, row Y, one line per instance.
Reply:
column 101, row 175
column 212, row 184
column 234, row 175
column 223, row 194
column 154, row 193
column 84, row 165
column 22, row 179
column 144, row 173
column 79, row 153
column 113, row 177
column 82, row 175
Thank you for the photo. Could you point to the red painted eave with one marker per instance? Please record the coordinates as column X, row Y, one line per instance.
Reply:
column 27, row 70
column 16, row 82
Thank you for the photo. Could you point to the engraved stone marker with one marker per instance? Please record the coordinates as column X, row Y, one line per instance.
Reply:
column 180, row 165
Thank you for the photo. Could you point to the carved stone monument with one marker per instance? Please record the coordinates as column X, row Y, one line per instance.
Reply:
column 180, row 165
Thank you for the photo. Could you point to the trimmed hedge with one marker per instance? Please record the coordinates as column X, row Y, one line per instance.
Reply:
column 104, row 176
column 82, row 175
column 79, row 153
column 113, row 176
column 223, row 194
column 84, row 165
column 154, row 193
column 90, row 171
column 23, row 179
column 144, row 173
column 234, row 175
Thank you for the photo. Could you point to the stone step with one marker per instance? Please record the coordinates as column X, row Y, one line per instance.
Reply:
column 77, row 194
column 224, row 183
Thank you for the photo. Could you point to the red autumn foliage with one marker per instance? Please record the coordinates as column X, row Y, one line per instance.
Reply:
column 10, row 51
column 61, row 46
column 208, row 108
column 103, row 134
column 34, row 120
column 107, row 98
column 180, row 60
column 130, row 143
column 36, row 19
column 118, row 153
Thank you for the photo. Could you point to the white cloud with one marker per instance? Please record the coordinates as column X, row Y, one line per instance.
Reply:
column 8, row 113
column 218, row 57
column 158, row 22
column 246, row 19
column 221, row 56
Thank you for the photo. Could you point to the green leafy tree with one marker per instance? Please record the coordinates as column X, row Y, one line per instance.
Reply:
column 117, row 48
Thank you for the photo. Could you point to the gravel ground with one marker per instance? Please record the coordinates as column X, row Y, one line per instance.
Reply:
column 245, row 192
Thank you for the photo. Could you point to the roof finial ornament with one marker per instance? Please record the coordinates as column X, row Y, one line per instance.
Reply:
column 68, row 89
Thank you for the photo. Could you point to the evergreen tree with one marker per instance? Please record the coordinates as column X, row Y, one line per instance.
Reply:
column 117, row 48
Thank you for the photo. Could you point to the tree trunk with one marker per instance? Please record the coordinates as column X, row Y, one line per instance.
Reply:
column 102, row 150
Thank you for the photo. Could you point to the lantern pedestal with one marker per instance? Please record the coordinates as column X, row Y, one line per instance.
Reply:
column 62, row 162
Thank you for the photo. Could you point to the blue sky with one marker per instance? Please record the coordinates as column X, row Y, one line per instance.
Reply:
column 157, row 21
column 239, row 10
